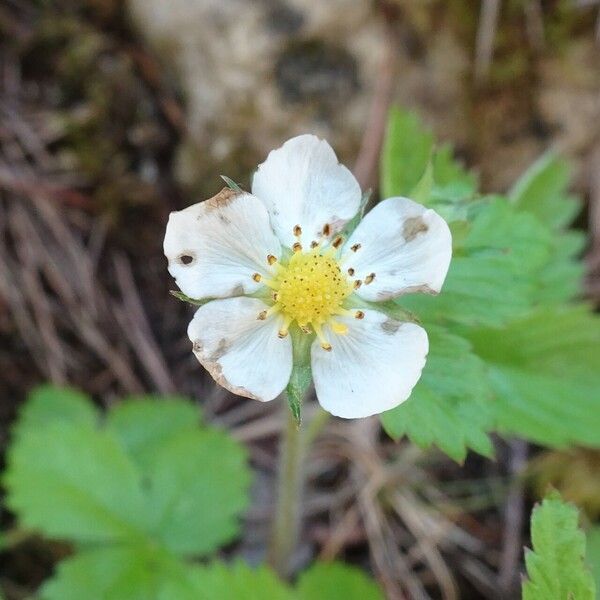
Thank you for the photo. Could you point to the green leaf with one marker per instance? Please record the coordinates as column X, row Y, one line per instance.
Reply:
column 48, row 404
column 144, row 424
column 544, row 373
column 593, row 553
column 71, row 482
column 491, row 279
column 121, row 573
column 479, row 290
column 406, row 152
column 198, row 488
column 148, row 476
column 542, row 191
column 336, row 581
column 555, row 567
column 449, row 407
column 452, row 181
column 217, row 581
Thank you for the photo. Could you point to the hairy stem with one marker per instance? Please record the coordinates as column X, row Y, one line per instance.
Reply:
column 295, row 443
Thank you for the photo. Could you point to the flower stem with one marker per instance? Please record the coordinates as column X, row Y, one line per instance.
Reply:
column 295, row 443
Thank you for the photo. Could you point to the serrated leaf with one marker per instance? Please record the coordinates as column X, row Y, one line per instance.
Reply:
column 406, row 152
column 71, row 482
column 555, row 567
column 336, row 581
column 542, row 192
column 137, row 479
column 479, row 290
column 544, row 373
column 198, row 488
column 449, row 407
column 48, row 404
column 144, row 424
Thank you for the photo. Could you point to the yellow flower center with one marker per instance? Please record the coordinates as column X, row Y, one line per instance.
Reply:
column 310, row 289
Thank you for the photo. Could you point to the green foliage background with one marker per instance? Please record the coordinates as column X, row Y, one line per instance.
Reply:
column 512, row 347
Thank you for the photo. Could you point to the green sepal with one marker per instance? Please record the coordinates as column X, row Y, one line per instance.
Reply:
column 357, row 218
column 231, row 184
column 421, row 193
column 301, row 376
column 185, row 298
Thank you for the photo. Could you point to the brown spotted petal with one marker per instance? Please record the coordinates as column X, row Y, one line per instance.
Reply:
column 214, row 247
column 371, row 368
column 241, row 352
column 398, row 248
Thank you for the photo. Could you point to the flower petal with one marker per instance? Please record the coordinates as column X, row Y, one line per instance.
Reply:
column 370, row 369
column 214, row 247
column 243, row 354
column 302, row 183
column 408, row 248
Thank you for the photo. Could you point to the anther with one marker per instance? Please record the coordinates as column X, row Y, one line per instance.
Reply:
column 355, row 248
column 305, row 329
column 257, row 277
column 314, row 244
column 275, row 296
column 359, row 314
column 351, row 272
column 262, row 315
column 326, row 346
column 297, row 247
column 297, row 230
column 282, row 333
column 337, row 242
column 326, row 230
column 357, row 284
column 271, row 259
column 369, row 278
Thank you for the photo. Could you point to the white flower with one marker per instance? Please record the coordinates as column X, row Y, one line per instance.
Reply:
column 273, row 262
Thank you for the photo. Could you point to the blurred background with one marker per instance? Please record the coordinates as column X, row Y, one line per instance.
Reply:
column 113, row 114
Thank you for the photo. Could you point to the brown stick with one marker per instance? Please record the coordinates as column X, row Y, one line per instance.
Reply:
column 514, row 513
column 366, row 166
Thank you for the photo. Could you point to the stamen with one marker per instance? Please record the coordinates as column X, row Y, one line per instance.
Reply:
column 359, row 314
column 257, row 277
column 305, row 329
column 351, row 272
column 326, row 230
column 284, row 330
column 297, row 247
column 357, row 284
column 314, row 244
column 355, row 248
column 324, row 343
column 297, row 230
column 369, row 278
column 263, row 314
column 271, row 259
column 275, row 296
column 337, row 242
